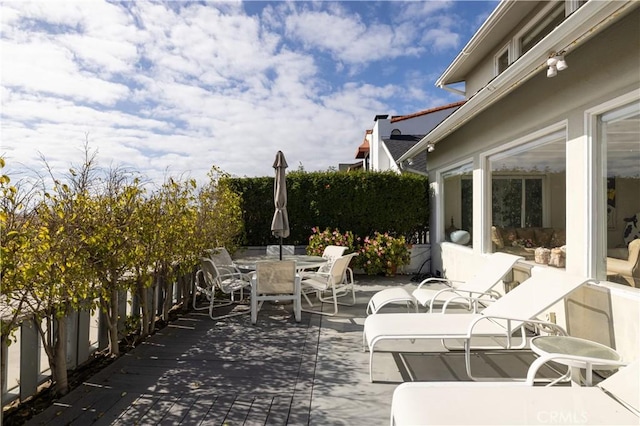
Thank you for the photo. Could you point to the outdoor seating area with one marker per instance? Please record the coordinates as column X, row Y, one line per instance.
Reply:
column 282, row 367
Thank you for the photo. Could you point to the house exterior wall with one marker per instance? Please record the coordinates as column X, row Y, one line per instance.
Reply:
column 381, row 159
column 484, row 71
column 604, row 68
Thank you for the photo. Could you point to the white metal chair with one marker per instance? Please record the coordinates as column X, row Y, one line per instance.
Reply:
column 479, row 288
column 210, row 279
column 274, row 250
column 331, row 253
column 338, row 280
column 615, row 400
column 275, row 280
column 498, row 322
column 225, row 264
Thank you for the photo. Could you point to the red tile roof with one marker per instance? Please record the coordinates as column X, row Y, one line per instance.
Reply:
column 427, row 111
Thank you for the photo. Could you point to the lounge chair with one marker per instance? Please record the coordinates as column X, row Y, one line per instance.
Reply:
column 615, row 400
column 479, row 287
column 500, row 320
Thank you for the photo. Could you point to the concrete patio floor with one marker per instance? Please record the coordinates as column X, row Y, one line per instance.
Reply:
column 278, row 372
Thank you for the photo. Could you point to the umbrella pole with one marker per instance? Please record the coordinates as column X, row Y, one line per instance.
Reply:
column 280, row 248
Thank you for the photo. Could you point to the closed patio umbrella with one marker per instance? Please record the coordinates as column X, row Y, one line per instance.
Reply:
column 280, row 223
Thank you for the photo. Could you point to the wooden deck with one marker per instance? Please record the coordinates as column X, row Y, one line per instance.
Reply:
column 278, row 372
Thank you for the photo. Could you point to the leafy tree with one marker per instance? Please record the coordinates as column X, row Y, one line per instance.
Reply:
column 17, row 234
column 109, row 230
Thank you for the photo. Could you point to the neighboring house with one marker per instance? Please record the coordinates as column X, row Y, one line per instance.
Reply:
column 545, row 152
column 391, row 137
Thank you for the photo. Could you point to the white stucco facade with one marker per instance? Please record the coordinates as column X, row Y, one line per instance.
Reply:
column 603, row 76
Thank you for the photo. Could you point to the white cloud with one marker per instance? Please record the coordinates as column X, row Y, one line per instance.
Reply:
column 181, row 86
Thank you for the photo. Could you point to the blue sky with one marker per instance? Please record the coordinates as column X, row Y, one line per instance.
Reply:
column 172, row 88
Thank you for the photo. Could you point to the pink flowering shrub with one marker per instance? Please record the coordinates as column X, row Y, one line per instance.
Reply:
column 319, row 240
column 382, row 253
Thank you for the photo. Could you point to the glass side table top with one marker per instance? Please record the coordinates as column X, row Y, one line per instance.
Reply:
column 568, row 345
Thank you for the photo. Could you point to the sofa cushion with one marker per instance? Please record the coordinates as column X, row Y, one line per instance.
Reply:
column 559, row 238
column 509, row 236
column 526, row 234
column 543, row 236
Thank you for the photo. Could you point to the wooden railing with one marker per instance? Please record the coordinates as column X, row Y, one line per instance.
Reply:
column 24, row 365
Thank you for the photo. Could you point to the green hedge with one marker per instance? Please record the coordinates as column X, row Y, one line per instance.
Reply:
column 361, row 202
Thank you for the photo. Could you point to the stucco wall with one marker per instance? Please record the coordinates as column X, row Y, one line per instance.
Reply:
column 604, row 68
column 600, row 70
column 604, row 312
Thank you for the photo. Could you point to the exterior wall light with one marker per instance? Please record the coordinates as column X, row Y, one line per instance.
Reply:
column 556, row 63
column 430, row 147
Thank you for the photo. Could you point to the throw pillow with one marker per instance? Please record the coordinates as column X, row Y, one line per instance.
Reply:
column 509, row 236
column 496, row 237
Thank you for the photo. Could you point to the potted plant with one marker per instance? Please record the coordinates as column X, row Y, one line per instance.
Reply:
column 383, row 253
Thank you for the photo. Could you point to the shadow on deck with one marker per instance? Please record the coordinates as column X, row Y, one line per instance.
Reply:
column 277, row 372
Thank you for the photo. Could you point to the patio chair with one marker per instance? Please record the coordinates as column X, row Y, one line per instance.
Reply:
column 480, row 288
column 338, row 280
column 628, row 269
column 274, row 250
column 499, row 321
column 615, row 400
column 331, row 253
column 225, row 264
column 275, row 280
column 210, row 279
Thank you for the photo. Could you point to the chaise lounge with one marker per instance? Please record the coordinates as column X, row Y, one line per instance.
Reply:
column 500, row 320
column 615, row 400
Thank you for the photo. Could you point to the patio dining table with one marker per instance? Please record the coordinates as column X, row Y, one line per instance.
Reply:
column 303, row 261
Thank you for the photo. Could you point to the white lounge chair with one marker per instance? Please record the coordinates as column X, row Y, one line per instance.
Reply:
column 338, row 280
column 275, row 280
column 479, row 287
column 615, row 400
column 500, row 320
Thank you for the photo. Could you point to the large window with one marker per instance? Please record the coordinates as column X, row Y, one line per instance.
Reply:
column 619, row 133
column 551, row 17
column 458, row 204
column 528, row 208
column 517, row 201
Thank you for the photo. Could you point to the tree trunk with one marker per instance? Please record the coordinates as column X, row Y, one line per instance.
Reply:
column 114, row 344
column 59, row 366
column 143, row 296
column 154, row 302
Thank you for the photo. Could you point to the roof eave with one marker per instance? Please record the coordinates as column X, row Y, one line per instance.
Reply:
column 589, row 20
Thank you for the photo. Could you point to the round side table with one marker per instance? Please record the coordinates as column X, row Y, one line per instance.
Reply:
column 567, row 345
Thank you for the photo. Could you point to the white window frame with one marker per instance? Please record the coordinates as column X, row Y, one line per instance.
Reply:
column 596, row 231
column 545, row 196
column 496, row 59
column 517, row 51
column 527, row 142
column 441, row 175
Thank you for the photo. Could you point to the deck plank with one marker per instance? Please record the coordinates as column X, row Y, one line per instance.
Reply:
column 278, row 372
